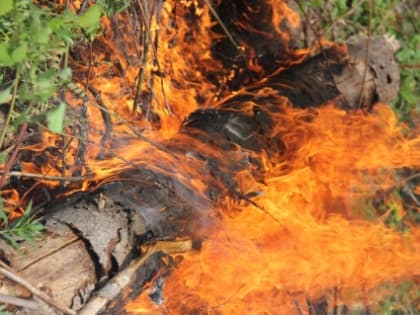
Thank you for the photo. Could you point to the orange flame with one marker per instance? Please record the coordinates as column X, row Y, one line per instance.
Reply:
column 310, row 235
column 318, row 239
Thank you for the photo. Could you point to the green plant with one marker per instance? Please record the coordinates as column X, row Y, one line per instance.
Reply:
column 34, row 46
column 338, row 20
column 112, row 7
column 26, row 228
column 3, row 310
column 403, row 299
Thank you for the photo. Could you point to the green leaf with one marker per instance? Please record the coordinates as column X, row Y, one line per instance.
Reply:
column 6, row 6
column 90, row 19
column 55, row 118
column 65, row 74
column 28, row 211
column 3, row 215
column 407, row 91
column 19, row 53
column 3, row 157
column 5, row 58
column 45, row 86
column 44, row 35
column 5, row 95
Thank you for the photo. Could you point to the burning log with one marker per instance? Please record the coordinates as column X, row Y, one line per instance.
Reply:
column 98, row 233
column 93, row 238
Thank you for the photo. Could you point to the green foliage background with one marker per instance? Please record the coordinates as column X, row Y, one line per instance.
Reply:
column 337, row 20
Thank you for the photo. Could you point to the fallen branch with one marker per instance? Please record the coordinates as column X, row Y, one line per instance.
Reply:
column 46, row 177
column 13, row 300
column 123, row 280
column 9, row 273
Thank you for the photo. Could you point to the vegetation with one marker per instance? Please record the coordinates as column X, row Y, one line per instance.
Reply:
column 27, row 228
column 34, row 46
column 35, row 40
column 337, row 21
column 340, row 19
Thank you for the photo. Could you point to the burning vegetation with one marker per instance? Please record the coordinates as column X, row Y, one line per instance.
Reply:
column 256, row 176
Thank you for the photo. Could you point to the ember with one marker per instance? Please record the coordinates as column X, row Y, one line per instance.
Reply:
column 272, row 157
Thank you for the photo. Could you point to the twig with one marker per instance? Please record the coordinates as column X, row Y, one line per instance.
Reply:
column 67, row 243
column 409, row 66
column 367, row 52
column 147, row 20
column 84, row 135
column 156, row 60
column 410, row 306
column 413, row 197
column 256, row 205
column 9, row 273
column 83, row 7
column 298, row 310
column 133, row 129
column 46, row 177
column 116, row 285
column 225, row 29
column 311, row 307
column 104, row 112
column 13, row 300
column 127, row 123
column 321, row 47
column 229, row 298
column 335, row 309
column 365, row 302
column 11, row 108
column 410, row 178
column 12, row 158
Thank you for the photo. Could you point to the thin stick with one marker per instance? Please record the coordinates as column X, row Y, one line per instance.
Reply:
column 367, row 52
column 47, row 177
column 156, row 60
column 11, row 108
column 13, row 300
column 317, row 37
column 13, row 157
column 104, row 112
column 227, row 32
column 36, row 260
column 335, row 310
column 256, row 205
column 9, row 273
column 298, row 311
column 122, row 279
column 141, row 75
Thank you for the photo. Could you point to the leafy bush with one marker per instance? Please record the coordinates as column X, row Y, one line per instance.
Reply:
column 34, row 45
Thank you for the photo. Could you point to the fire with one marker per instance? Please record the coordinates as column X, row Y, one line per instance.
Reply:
column 315, row 239
column 307, row 236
